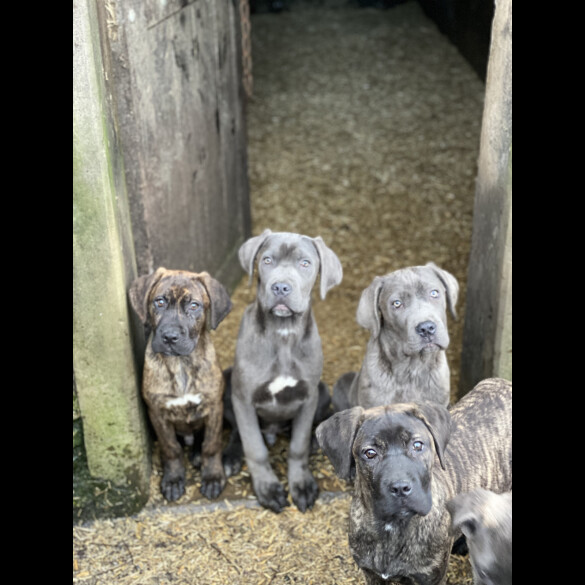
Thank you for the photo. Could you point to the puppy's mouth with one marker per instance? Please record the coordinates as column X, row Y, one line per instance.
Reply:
column 430, row 346
column 175, row 349
column 281, row 310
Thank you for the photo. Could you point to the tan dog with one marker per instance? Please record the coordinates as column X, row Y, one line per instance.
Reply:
column 182, row 381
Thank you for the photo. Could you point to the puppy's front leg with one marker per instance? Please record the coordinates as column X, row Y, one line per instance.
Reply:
column 171, row 453
column 267, row 488
column 303, row 487
column 213, row 477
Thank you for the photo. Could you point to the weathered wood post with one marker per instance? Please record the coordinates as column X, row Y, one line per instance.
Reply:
column 487, row 333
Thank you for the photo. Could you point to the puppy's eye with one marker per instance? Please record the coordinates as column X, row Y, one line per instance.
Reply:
column 159, row 302
column 305, row 263
column 194, row 305
column 418, row 445
column 434, row 294
column 370, row 453
column 397, row 303
column 267, row 260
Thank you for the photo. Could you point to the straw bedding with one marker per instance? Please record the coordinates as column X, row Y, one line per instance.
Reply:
column 364, row 129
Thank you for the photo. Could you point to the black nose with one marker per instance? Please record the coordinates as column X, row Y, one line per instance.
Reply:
column 400, row 489
column 426, row 329
column 281, row 289
column 171, row 336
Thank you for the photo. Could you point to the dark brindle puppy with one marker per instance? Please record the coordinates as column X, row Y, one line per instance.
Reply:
column 182, row 381
column 409, row 460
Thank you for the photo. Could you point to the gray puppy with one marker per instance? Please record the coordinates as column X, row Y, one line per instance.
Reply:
column 409, row 460
column 278, row 360
column 406, row 314
column 485, row 518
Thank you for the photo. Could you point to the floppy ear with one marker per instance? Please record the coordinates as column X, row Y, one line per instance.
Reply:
column 220, row 303
column 139, row 291
column 438, row 421
column 249, row 249
column 368, row 313
column 451, row 286
column 464, row 517
column 336, row 436
column 331, row 269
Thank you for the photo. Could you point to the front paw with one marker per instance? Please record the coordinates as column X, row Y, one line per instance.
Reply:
column 304, row 493
column 272, row 496
column 211, row 487
column 173, row 482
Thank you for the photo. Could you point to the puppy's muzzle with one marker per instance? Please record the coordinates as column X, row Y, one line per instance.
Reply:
column 173, row 340
column 281, row 290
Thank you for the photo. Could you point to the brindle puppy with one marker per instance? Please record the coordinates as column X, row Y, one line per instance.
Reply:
column 182, row 381
column 409, row 460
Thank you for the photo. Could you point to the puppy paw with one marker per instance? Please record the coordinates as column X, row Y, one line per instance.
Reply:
column 231, row 465
column 272, row 496
column 173, row 484
column 304, row 494
column 212, row 487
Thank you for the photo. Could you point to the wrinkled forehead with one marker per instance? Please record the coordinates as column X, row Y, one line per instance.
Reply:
column 391, row 427
column 177, row 286
column 290, row 246
column 415, row 280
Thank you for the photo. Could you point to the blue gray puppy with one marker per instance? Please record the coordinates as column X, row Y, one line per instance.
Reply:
column 278, row 362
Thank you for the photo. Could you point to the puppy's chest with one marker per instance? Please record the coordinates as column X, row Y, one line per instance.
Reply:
column 188, row 399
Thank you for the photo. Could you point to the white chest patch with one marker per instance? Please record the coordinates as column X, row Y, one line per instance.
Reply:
column 281, row 383
column 184, row 400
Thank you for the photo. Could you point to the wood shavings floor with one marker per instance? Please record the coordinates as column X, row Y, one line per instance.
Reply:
column 364, row 129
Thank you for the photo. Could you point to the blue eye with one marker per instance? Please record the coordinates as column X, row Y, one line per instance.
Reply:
column 434, row 293
column 267, row 260
column 159, row 302
column 305, row 263
column 418, row 445
column 396, row 304
column 194, row 305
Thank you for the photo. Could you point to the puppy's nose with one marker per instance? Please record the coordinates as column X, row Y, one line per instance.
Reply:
column 281, row 289
column 426, row 329
column 171, row 336
column 400, row 489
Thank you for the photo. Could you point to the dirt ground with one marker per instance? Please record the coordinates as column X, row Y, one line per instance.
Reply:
column 364, row 129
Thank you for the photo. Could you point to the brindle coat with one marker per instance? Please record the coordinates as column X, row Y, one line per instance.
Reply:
column 406, row 314
column 182, row 381
column 409, row 460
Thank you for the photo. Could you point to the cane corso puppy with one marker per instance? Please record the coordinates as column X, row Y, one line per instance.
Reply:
column 406, row 314
column 182, row 381
column 409, row 460
column 278, row 362
column 485, row 518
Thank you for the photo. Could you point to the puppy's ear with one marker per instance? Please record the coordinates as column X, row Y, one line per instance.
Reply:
column 249, row 249
column 464, row 516
column 438, row 421
column 368, row 313
column 451, row 286
column 331, row 269
column 139, row 291
column 336, row 436
column 220, row 303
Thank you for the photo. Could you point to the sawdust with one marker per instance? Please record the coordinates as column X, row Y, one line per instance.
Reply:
column 363, row 129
